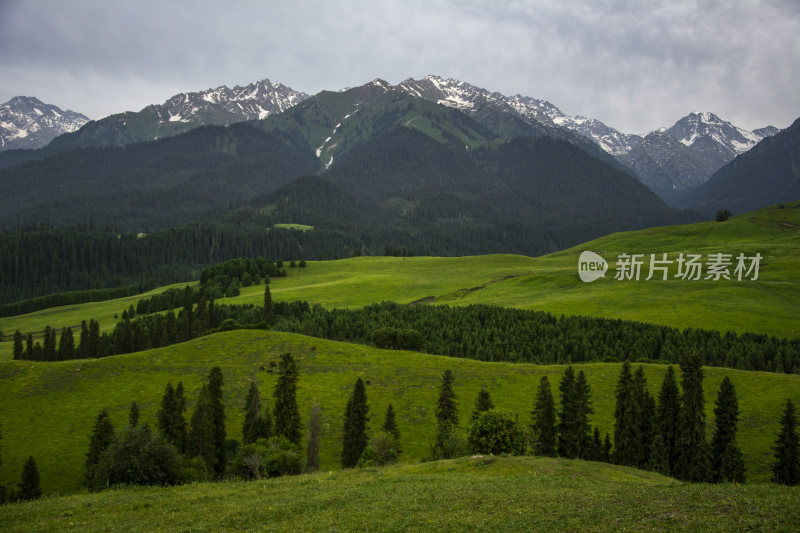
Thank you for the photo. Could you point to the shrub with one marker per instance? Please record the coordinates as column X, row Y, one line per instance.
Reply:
column 383, row 449
column 274, row 457
column 496, row 432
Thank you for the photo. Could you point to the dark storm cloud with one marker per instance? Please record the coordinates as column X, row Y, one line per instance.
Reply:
column 634, row 65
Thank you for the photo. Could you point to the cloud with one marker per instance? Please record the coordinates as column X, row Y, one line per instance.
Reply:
column 634, row 65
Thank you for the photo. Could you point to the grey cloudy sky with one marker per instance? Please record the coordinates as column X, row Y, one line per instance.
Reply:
column 635, row 65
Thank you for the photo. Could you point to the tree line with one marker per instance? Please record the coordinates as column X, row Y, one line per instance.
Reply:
column 492, row 333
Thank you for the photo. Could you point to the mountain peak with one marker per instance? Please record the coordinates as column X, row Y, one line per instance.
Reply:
column 27, row 122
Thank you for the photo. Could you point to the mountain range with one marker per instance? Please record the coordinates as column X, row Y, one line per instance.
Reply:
column 375, row 169
column 669, row 160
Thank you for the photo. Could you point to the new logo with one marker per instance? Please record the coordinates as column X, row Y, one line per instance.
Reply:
column 591, row 267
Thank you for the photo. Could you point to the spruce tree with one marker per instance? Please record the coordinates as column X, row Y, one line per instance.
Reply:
column 99, row 440
column 354, row 432
column 314, row 436
column 732, row 467
column 647, row 412
column 269, row 316
column 287, row 416
column 446, row 417
column 18, row 350
column 627, row 415
column 29, row 488
column 567, row 416
column 726, row 413
column 171, row 423
column 583, row 408
column 255, row 424
column 668, row 417
column 606, row 456
column 29, row 347
column 543, row 421
column 66, row 345
column 694, row 461
column 483, row 403
column 133, row 415
column 217, row 419
column 200, row 439
column 390, row 423
column 786, row 468
column 658, row 460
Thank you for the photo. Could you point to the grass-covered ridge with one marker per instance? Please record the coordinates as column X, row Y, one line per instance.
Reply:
column 49, row 408
column 478, row 493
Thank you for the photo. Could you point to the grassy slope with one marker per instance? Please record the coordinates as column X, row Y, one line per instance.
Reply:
column 769, row 305
column 48, row 408
column 550, row 283
column 506, row 494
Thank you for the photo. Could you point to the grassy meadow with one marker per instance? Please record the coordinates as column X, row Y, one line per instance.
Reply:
column 769, row 305
column 477, row 493
column 49, row 408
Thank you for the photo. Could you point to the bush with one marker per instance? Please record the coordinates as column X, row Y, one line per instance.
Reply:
column 264, row 458
column 383, row 449
column 496, row 432
column 452, row 445
column 410, row 339
column 384, row 337
column 137, row 458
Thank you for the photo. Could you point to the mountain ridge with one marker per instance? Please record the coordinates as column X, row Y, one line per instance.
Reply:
column 28, row 123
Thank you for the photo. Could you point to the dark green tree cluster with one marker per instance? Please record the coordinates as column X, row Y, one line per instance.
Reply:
column 670, row 436
column 492, row 333
column 73, row 297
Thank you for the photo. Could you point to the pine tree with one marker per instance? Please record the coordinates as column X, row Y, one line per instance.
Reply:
column 255, row 424
column 606, row 456
column 658, row 460
column 786, row 468
column 647, row 412
column 133, row 415
column 694, row 461
column 668, row 417
column 99, row 440
column 583, row 408
column 29, row 488
column 29, row 347
column 390, row 427
column 83, row 340
column 171, row 423
column 543, row 421
column 66, row 345
column 314, row 435
column 726, row 413
column 627, row 415
column 567, row 445
column 483, row 403
column 269, row 316
column 94, row 339
column 390, row 423
column 446, row 417
column 354, row 432
column 200, row 439
column 732, row 467
column 18, row 350
column 287, row 416
column 217, row 420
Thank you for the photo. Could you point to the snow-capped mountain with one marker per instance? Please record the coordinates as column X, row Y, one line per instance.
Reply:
column 27, row 122
column 222, row 105
column 688, row 153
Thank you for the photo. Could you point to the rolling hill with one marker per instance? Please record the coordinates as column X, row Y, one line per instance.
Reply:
column 49, row 408
column 480, row 493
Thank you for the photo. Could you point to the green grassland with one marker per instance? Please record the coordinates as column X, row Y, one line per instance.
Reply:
column 479, row 493
column 301, row 227
column 48, row 408
column 769, row 305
